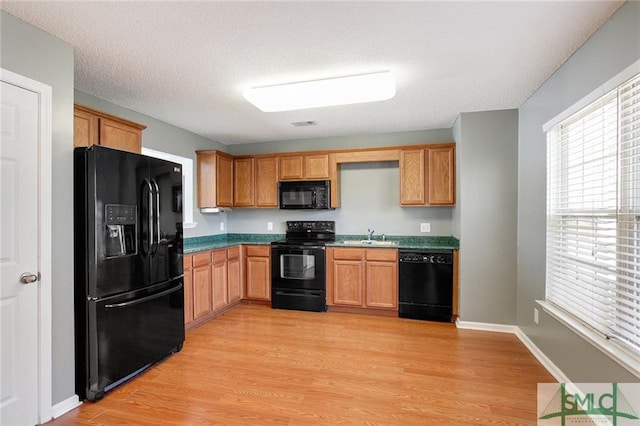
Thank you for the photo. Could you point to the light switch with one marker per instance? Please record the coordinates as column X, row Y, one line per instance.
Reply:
column 425, row 227
column 269, row 226
column 222, row 226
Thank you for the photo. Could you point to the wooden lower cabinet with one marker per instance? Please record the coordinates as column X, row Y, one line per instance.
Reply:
column 212, row 283
column 234, row 274
column 362, row 278
column 348, row 283
column 202, row 301
column 258, row 272
column 188, row 288
column 219, row 279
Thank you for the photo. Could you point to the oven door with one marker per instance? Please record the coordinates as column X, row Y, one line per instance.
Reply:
column 298, row 267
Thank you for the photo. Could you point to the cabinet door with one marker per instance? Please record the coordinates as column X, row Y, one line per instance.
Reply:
column 267, row 182
column 291, row 167
column 188, row 289
column 347, row 282
column 201, row 291
column 243, row 182
column 120, row 136
column 224, row 180
column 85, row 128
column 258, row 278
column 412, row 178
column 316, row 166
column 441, row 176
column 381, row 290
column 233, row 277
column 219, row 285
column 206, row 177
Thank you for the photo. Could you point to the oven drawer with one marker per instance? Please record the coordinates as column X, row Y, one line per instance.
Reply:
column 302, row 300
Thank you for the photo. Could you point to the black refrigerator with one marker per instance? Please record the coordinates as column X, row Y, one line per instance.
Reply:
column 129, row 297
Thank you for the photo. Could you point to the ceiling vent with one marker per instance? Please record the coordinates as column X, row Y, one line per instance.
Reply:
column 303, row 123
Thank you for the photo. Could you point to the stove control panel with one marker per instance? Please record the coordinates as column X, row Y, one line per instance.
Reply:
column 327, row 226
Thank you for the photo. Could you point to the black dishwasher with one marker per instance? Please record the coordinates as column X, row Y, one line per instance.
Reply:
column 426, row 284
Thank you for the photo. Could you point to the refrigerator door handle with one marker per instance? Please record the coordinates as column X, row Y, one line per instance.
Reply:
column 157, row 212
column 150, row 214
column 144, row 299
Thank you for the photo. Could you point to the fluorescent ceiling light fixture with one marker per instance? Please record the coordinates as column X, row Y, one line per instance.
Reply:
column 353, row 89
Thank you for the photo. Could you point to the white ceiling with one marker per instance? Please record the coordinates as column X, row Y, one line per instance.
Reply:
column 187, row 63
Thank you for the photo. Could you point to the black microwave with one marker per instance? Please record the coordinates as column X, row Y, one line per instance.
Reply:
column 310, row 194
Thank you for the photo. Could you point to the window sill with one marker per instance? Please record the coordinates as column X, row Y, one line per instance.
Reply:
column 609, row 348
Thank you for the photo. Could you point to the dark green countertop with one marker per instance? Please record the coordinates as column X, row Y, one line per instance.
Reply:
column 404, row 242
column 195, row 244
column 192, row 245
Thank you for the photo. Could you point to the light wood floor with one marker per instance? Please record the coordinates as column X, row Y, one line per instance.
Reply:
column 255, row 366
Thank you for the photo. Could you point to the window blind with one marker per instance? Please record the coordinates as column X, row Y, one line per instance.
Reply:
column 593, row 215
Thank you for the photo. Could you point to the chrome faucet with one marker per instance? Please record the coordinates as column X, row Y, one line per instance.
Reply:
column 370, row 234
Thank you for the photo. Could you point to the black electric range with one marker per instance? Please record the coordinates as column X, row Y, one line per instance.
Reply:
column 298, row 270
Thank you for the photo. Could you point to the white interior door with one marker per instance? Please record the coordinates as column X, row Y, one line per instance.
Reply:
column 19, row 250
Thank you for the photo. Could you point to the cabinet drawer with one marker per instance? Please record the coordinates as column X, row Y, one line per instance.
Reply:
column 186, row 261
column 201, row 259
column 382, row 254
column 233, row 252
column 258, row 251
column 347, row 253
column 218, row 256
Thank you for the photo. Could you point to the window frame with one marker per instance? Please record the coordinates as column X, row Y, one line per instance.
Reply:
column 626, row 354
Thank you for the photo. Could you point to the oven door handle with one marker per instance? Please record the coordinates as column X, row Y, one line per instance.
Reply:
column 294, row 247
column 299, row 293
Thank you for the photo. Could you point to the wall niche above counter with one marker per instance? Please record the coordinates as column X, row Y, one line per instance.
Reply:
column 427, row 174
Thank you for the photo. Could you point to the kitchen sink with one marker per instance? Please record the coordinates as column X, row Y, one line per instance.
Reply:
column 375, row 243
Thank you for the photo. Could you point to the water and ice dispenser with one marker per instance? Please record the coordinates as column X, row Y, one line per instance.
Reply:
column 121, row 224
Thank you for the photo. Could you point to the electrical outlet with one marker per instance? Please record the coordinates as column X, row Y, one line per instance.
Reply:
column 269, row 226
column 535, row 315
column 425, row 227
column 222, row 226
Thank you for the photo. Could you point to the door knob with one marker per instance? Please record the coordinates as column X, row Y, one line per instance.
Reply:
column 28, row 278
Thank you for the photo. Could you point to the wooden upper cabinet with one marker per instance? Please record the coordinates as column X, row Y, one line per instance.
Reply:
column 215, row 179
column 291, row 167
column 266, row 182
column 85, row 128
column 244, row 182
column 427, row 176
column 304, row 167
column 412, row 177
column 441, row 176
column 316, row 166
column 92, row 127
column 255, row 181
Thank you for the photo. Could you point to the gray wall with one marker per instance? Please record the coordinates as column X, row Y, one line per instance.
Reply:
column 611, row 49
column 485, row 215
column 33, row 53
column 161, row 136
column 370, row 194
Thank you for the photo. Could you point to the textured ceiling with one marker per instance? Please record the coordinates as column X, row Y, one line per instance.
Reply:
column 187, row 63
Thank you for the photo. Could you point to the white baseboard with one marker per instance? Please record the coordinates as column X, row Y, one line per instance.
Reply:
column 514, row 329
column 484, row 326
column 540, row 356
column 65, row 406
